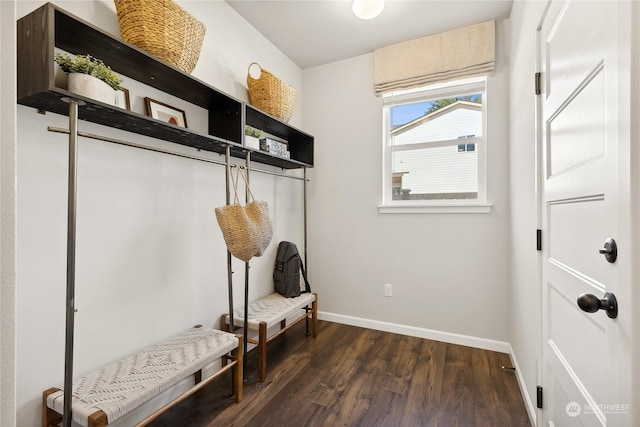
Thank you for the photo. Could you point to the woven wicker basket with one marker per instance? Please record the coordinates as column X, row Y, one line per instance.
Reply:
column 270, row 94
column 163, row 29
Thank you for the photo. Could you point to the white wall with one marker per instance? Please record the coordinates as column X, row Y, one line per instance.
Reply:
column 633, row 164
column 151, row 260
column 7, row 215
column 525, row 318
column 450, row 272
column 635, row 202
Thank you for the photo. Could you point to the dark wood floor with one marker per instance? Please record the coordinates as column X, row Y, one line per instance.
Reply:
column 351, row 376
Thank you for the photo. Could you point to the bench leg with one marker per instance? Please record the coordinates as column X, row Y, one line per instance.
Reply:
column 262, row 351
column 49, row 416
column 223, row 323
column 314, row 316
column 98, row 419
column 237, row 370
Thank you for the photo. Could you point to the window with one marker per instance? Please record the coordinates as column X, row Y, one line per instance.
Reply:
column 466, row 147
column 434, row 146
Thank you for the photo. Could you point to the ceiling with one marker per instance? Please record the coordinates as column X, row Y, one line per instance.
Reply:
column 316, row 32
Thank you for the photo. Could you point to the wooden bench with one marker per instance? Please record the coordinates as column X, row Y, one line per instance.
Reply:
column 270, row 311
column 105, row 395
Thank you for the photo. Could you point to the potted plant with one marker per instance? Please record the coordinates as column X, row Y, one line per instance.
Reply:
column 252, row 137
column 90, row 77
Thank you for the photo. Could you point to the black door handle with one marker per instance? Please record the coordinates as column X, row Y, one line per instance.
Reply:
column 591, row 303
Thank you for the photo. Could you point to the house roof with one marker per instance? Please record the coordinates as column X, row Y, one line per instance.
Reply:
column 437, row 113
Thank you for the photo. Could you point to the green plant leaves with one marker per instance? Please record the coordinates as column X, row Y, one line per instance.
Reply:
column 87, row 64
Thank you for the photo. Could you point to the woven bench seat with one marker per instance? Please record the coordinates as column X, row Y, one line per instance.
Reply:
column 274, row 310
column 106, row 394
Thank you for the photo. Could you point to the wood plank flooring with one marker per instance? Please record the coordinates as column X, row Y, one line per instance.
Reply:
column 349, row 376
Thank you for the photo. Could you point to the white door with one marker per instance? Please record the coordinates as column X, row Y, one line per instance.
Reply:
column 584, row 120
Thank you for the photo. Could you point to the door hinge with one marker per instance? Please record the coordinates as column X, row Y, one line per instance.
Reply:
column 538, row 83
column 539, row 397
column 539, row 239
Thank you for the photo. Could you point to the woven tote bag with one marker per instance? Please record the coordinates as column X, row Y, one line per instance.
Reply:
column 246, row 230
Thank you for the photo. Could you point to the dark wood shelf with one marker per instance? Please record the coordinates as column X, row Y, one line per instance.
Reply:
column 300, row 143
column 97, row 112
column 50, row 27
column 269, row 159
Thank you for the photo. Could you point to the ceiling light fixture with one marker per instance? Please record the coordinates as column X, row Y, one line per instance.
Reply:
column 367, row 9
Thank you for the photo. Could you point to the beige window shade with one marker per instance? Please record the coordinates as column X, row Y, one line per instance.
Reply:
column 464, row 52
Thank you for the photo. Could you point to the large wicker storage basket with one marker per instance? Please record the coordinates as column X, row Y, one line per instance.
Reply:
column 270, row 94
column 163, row 29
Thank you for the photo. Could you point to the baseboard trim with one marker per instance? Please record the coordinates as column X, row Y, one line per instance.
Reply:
column 528, row 403
column 448, row 337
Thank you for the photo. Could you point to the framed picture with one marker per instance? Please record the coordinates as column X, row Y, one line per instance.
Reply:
column 122, row 99
column 166, row 113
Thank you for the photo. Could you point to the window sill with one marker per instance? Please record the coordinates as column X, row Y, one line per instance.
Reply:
column 467, row 208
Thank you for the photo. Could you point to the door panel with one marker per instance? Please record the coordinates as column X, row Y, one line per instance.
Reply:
column 576, row 130
column 570, row 245
column 572, row 330
column 569, row 407
column 572, row 47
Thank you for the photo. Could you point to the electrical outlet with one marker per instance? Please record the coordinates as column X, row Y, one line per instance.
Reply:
column 388, row 290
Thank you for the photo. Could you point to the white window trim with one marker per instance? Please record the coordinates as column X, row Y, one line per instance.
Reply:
column 479, row 205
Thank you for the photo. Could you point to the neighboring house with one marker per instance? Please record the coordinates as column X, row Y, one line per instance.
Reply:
column 425, row 166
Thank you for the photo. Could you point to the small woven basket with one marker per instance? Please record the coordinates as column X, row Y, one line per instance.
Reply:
column 163, row 29
column 270, row 94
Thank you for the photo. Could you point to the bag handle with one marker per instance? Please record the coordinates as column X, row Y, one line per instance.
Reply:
column 249, row 70
column 234, row 183
column 307, row 287
column 239, row 171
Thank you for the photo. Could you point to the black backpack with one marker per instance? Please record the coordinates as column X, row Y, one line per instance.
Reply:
column 286, row 274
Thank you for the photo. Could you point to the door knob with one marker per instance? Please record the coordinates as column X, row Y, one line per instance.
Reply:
column 610, row 250
column 591, row 303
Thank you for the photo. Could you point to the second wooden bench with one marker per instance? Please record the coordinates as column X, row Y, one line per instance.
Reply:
column 274, row 310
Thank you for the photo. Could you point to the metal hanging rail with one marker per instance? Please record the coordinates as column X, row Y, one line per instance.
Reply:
column 163, row 151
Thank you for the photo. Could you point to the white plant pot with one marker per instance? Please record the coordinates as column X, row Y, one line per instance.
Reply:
column 91, row 87
column 252, row 142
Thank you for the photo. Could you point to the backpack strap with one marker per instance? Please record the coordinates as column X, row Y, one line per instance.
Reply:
column 307, row 287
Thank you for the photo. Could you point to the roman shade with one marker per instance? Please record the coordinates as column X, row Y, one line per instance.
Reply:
column 460, row 53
